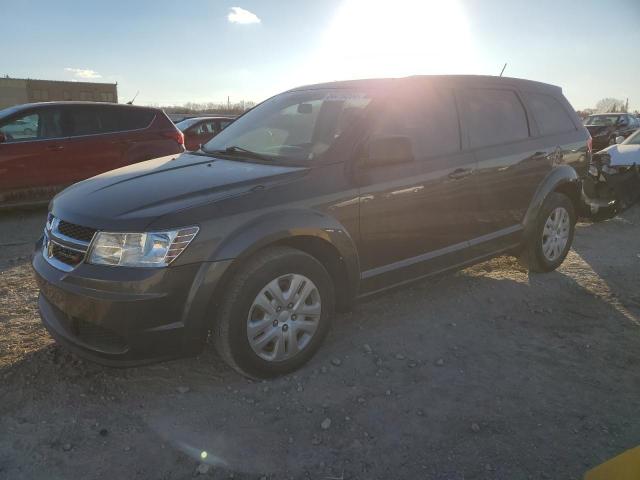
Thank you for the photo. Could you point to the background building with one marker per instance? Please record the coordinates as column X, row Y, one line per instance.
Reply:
column 14, row 91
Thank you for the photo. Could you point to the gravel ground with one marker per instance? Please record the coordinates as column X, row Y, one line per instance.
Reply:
column 485, row 373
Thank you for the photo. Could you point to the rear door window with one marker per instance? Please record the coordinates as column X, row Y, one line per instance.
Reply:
column 109, row 119
column 82, row 120
column 493, row 117
column 428, row 116
column 549, row 114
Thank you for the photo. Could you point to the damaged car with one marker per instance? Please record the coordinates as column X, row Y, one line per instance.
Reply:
column 314, row 198
column 613, row 182
column 606, row 127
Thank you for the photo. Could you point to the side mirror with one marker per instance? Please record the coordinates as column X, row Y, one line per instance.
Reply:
column 391, row 150
column 3, row 137
column 619, row 139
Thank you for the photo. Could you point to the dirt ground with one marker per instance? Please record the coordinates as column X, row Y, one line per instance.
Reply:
column 484, row 373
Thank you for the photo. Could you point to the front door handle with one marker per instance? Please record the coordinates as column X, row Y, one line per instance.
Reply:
column 459, row 173
column 55, row 147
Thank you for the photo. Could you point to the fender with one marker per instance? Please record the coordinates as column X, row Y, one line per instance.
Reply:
column 560, row 177
column 287, row 225
column 247, row 239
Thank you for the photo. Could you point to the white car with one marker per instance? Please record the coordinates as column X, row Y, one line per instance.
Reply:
column 613, row 182
column 626, row 152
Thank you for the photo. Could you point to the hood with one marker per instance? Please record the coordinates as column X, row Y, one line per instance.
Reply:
column 132, row 197
column 623, row 154
column 596, row 130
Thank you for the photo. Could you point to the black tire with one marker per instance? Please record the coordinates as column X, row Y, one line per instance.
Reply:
column 230, row 330
column 532, row 255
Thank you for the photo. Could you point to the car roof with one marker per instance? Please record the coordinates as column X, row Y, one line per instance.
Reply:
column 610, row 113
column 26, row 106
column 466, row 80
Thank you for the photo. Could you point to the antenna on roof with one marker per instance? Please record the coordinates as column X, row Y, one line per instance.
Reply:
column 502, row 71
column 130, row 102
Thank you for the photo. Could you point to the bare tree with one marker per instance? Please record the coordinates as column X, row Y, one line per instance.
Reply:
column 610, row 105
column 194, row 108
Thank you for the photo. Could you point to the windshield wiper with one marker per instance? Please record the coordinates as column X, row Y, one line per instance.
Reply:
column 236, row 149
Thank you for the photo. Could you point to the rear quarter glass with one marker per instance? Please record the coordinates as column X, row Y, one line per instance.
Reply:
column 136, row 119
column 549, row 113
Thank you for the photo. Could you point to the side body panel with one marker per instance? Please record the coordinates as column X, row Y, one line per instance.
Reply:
column 29, row 164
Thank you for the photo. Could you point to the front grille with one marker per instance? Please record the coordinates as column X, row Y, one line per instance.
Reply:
column 78, row 232
column 66, row 255
column 65, row 243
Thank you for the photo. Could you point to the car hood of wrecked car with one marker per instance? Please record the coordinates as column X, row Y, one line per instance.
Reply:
column 623, row 155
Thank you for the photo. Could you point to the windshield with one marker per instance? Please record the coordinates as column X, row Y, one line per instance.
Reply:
column 633, row 139
column 295, row 126
column 184, row 124
column 604, row 120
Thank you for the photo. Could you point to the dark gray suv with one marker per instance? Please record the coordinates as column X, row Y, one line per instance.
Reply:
column 315, row 197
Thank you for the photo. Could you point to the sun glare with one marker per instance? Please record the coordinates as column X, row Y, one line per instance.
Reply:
column 370, row 38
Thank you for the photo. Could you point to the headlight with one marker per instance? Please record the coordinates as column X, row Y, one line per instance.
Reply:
column 150, row 249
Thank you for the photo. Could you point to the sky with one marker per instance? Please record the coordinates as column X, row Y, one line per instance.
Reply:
column 208, row 50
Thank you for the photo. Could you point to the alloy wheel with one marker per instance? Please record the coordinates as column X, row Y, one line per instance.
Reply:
column 284, row 317
column 555, row 234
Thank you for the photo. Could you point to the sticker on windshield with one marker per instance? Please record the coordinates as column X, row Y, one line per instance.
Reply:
column 345, row 96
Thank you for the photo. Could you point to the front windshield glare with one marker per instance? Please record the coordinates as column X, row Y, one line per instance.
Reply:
column 633, row 139
column 295, row 126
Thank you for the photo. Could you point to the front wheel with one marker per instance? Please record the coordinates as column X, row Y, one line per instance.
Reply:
column 552, row 235
column 275, row 314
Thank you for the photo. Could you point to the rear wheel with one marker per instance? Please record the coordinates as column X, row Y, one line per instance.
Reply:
column 552, row 235
column 276, row 312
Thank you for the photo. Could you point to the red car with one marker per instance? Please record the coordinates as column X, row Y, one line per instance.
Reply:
column 45, row 147
column 199, row 130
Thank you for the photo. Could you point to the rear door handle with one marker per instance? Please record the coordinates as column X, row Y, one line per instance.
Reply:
column 459, row 173
column 55, row 147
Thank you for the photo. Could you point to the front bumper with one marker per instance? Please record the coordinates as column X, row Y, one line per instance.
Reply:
column 128, row 316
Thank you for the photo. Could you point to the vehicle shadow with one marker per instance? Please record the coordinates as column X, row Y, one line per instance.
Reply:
column 484, row 366
column 608, row 259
